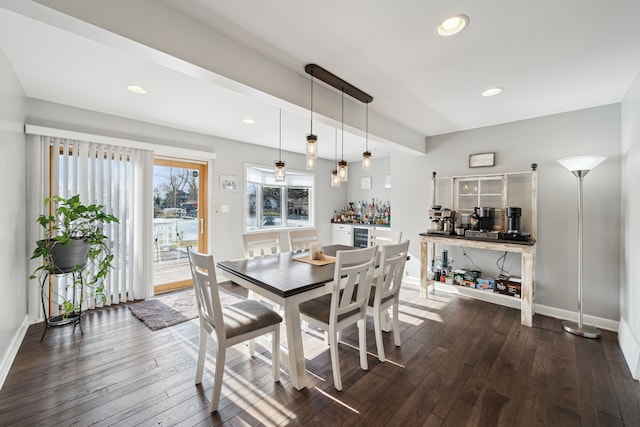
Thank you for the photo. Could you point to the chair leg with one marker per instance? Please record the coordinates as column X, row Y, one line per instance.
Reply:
column 275, row 353
column 362, row 332
column 202, row 354
column 377, row 326
column 335, row 362
column 217, row 380
column 396, row 324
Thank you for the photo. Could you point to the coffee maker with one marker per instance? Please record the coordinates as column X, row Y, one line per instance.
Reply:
column 513, row 226
column 513, row 219
column 486, row 219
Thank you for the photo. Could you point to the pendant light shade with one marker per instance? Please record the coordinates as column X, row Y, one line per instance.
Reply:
column 311, row 163
column 279, row 163
column 366, row 161
column 366, row 156
column 312, row 139
column 335, row 179
column 343, row 171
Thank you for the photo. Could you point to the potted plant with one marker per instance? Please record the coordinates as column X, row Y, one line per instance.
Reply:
column 74, row 242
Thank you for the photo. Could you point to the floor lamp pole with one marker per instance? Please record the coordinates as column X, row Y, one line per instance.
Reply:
column 572, row 327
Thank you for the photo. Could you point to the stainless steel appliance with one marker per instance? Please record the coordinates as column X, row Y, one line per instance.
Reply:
column 441, row 220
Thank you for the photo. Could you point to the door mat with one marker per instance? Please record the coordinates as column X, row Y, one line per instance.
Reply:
column 176, row 307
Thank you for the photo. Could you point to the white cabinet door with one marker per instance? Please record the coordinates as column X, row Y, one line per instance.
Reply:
column 342, row 234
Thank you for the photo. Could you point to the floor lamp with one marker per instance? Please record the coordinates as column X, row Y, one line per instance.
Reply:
column 580, row 167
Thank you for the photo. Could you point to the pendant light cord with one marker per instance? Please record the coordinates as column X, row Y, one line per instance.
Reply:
column 366, row 135
column 280, row 138
column 342, row 158
column 312, row 104
column 336, row 147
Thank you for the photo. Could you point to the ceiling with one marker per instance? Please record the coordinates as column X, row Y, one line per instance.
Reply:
column 549, row 56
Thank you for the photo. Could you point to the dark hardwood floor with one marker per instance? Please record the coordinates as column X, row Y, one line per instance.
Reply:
column 462, row 362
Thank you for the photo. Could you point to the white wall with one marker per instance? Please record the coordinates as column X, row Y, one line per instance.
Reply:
column 379, row 168
column 629, row 334
column 13, row 256
column 517, row 145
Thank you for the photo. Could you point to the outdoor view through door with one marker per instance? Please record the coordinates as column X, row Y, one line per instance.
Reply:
column 179, row 213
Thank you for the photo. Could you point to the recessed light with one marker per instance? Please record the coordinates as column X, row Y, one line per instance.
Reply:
column 137, row 89
column 453, row 25
column 492, row 91
column 248, row 121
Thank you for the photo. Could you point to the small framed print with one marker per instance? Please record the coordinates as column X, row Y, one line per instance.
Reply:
column 482, row 160
column 387, row 181
column 365, row 183
column 228, row 182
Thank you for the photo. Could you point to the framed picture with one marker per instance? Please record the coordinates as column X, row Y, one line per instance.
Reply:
column 228, row 182
column 365, row 183
column 482, row 160
column 387, row 181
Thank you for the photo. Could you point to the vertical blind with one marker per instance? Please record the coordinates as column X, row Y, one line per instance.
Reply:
column 120, row 179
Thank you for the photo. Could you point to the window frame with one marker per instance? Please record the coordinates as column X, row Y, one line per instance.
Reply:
column 267, row 172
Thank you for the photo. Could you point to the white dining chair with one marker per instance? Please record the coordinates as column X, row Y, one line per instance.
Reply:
column 299, row 240
column 345, row 305
column 257, row 245
column 228, row 325
column 379, row 236
column 261, row 244
column 385, row 292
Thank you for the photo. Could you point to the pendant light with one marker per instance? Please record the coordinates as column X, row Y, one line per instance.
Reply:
column 312, row 147
column 343, row 171
column 279, row 163
column 366, row 156
column 335, row 179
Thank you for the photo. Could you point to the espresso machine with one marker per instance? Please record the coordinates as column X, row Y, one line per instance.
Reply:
column 441, row 220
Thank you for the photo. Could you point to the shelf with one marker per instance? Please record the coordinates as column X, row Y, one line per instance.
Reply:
column 492, row 297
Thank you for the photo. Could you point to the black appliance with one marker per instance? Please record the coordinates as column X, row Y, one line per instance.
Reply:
column 486, row 218
column 513, row 219
column 360, row 237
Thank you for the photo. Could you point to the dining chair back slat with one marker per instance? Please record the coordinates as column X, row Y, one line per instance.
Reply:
column 379, row 236
column 299, row 240
column 261, row 244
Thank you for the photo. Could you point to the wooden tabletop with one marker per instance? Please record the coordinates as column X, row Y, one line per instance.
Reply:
column 281, row 274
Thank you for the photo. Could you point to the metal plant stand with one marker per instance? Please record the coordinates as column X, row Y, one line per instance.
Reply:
column 73, row 318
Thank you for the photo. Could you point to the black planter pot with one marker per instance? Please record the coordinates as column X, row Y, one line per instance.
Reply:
column 67, row 258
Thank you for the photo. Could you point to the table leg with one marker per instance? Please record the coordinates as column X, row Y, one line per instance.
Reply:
column 294, row 344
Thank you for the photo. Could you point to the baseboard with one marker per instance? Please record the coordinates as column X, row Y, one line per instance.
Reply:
column 11, row 352
column 558, row 313
column 630, row 346
column 607, row 324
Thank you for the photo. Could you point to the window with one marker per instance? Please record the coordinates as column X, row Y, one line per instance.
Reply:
column 270, row 204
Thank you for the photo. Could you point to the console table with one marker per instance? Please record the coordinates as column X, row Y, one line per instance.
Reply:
column 525, row 249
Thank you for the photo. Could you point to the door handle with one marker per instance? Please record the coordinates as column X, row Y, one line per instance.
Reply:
column 201, row 225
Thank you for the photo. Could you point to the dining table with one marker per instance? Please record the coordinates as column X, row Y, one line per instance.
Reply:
column 286, row 280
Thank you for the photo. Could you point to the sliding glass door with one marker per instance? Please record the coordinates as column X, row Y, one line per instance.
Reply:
column 179, row 220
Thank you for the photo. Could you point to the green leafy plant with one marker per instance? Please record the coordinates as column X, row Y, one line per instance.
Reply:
column 71, row 221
